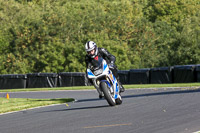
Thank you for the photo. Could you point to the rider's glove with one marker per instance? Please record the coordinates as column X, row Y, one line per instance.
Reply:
column 111, row 65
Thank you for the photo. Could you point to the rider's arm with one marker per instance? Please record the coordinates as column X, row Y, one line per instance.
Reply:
column 109, row 56
column 87, row 80
column 86, row 61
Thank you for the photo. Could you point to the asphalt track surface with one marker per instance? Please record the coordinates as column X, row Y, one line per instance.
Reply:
column 142, row 111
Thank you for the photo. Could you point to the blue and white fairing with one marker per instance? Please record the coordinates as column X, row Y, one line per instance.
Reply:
column 99, row 72
column 110, row 79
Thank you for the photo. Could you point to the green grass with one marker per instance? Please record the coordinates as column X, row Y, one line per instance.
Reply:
column 48, row 89
column 135, row 86
column 17, row 104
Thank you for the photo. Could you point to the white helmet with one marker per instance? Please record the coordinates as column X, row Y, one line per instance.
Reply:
column 89, row 46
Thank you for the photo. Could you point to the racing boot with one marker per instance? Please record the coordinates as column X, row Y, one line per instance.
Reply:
column 101, row 95
column 121, row 87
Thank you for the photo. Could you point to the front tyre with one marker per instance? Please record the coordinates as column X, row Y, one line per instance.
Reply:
column 118, row 101
column 107, row 94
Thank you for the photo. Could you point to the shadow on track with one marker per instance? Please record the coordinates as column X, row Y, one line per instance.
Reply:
column 89, row 100
column 163, row 93
column 127, row 96
column 79, row 108
column 147, row 94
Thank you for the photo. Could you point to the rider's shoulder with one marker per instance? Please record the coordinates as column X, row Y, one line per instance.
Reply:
column 102, row 49
column 86, row 57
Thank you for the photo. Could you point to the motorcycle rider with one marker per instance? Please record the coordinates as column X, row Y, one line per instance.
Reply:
column 93, row 52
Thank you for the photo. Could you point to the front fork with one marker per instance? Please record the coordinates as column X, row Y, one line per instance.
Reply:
column 97, row 83
column 97, row 86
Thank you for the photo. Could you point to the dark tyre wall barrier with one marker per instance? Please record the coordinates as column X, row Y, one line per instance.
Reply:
column 184, row 74
column 161, row 75
column 197, row 73
column 12, row 81
column 40, row 80
column 124, row 76
column 139, row 76
column 176, row 74
column 71, row 79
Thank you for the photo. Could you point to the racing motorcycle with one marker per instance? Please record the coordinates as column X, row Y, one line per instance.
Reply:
column 105, row 82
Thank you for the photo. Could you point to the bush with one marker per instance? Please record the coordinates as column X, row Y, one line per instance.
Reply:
column 49, row 36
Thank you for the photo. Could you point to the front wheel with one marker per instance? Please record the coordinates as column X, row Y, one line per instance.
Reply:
column 118, row 101
column 107, row 94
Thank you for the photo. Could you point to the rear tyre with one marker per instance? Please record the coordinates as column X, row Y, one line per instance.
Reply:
column 107, row 94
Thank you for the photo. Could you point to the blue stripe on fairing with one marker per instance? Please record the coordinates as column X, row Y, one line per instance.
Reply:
column 117, row 89
column 114, row 77
column 90, row 73
column 105, row 66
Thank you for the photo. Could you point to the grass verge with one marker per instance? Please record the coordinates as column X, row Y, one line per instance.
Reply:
column 17, row 104
column 135, row 86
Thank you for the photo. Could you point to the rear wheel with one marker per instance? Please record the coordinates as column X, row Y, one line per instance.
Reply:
column 107, row 94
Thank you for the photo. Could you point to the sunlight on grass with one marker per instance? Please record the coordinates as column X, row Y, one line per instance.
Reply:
column 16, row 104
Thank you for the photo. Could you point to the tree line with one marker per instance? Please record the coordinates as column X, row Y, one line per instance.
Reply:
column 49, row 35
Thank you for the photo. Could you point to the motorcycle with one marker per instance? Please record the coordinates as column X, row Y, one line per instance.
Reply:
column 105, row 82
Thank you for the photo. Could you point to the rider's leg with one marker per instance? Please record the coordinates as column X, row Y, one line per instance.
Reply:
column 114, row 71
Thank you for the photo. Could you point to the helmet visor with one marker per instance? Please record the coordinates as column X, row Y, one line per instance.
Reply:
column 92, row 52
